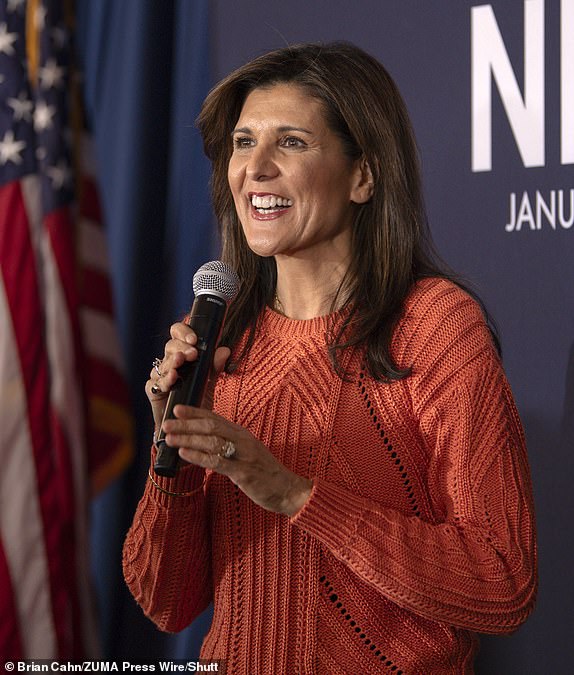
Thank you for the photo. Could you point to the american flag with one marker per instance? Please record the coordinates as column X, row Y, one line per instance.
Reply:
column 65, row 426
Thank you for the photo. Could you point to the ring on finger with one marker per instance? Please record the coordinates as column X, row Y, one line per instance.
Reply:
column 228, row 450
column 155, row 389
column 156, row 364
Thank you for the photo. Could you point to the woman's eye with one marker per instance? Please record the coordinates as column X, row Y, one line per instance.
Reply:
column 292, row 142
column 242, row 142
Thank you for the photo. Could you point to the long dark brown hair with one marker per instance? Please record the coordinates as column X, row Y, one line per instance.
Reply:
column 391, row 243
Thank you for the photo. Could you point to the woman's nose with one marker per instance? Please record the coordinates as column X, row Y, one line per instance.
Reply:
column 262, row 164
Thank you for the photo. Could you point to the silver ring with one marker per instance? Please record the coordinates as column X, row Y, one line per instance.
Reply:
column 155, row 389
column 228, row 449
column 156, row 364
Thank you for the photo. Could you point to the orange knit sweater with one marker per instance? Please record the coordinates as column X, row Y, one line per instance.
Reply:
column 419, row 531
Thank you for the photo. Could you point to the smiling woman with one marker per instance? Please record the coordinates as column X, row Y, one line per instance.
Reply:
column 358, row 498
column 296, row 192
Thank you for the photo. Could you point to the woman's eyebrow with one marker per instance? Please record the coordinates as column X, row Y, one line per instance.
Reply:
column 241, row 130
column 282, row 129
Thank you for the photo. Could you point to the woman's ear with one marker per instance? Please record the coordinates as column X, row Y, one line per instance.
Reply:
column 364, row 184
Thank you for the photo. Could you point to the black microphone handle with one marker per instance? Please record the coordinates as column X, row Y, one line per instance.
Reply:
column 206, row 319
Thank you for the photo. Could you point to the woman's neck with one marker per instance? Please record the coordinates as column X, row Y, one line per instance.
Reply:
column 307, row 289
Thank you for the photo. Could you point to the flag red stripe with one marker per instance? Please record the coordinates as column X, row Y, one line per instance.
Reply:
column 89, row 206
column 104, row 378
column 96, row 291
column 22, row 290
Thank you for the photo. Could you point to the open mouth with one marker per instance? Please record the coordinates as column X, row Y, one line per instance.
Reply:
column 265, row 204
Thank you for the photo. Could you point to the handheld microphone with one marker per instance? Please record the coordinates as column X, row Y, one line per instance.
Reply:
column 215, row 284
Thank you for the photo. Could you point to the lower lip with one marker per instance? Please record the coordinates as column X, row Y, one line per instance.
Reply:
column 267, row 216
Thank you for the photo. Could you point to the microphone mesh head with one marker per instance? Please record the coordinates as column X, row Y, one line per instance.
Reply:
column 216, row 278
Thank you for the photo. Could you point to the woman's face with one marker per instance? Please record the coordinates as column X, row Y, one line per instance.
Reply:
column 294, row 188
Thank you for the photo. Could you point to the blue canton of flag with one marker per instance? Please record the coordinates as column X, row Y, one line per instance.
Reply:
column 34, row 114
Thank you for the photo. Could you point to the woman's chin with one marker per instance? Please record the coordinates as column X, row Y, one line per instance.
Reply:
column 264, row 248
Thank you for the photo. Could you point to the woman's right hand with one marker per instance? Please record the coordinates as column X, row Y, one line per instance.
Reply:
column 179, row 349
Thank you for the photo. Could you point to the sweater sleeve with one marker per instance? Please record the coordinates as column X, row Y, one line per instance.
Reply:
column 166, row 556
column 473, row 565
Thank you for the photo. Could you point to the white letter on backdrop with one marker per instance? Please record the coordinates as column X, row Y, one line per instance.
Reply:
column 567, row 80
column 490, row 60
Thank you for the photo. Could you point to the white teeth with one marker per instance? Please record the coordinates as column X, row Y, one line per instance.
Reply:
column 270, row 202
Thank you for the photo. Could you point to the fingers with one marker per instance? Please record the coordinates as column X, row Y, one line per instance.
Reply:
column 209, row 445
column 212, row 442
column 154, row 391
column 182, row 332
column 207, row 460
column 202, row 422
column 179, row 349
column 199, row 430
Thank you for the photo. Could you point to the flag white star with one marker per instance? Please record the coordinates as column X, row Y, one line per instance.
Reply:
column 22, row 107
column 10, row 148
column 51, row 75
column 7, row 40
column 60, row 175
column 60, row 36
column 43, row 116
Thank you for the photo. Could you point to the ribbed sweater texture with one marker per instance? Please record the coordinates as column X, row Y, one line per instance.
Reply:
column 419, row 532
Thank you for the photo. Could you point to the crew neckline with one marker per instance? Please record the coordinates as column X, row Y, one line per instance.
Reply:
column 285, row 327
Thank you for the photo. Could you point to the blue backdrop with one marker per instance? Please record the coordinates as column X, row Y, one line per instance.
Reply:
column 507, row 224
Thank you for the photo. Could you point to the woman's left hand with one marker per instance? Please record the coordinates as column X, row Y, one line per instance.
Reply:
column 201, row 435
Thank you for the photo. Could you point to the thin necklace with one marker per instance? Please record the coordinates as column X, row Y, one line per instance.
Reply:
column 277, row 304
